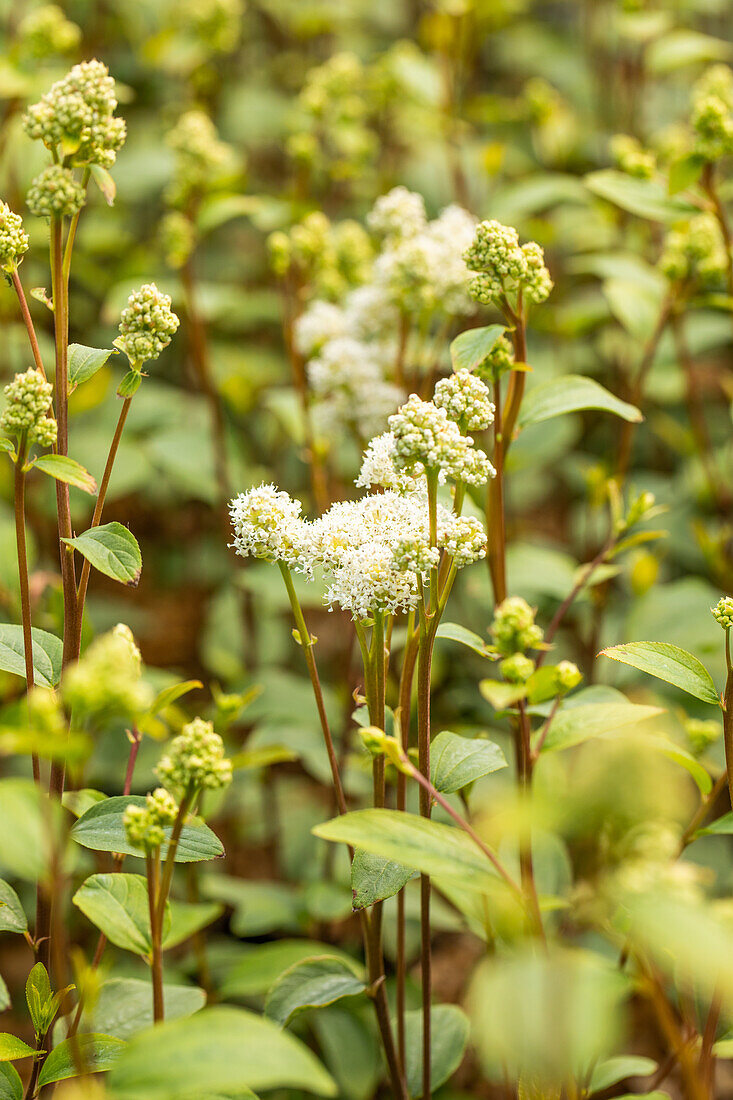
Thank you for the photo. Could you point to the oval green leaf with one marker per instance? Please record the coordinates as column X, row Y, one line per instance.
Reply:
column 84, row 362
column 669, row 663
column 12, row 917
column 97, row 1053
column 101, row 828
column 111, row 549
column 374, row 878
column 124, row 1006
column 572, row 393
column 645, row 198
column 47, row 653
column 65, row 469
column 471, row 348
column 457, row 761
column 118, row 905
column 11, row 1048
column 312, row 983
column 11, row 1086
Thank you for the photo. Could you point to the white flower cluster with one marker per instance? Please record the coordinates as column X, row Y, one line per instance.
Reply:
column 267, row 524
column 378, row 467
column 347, row 380
column 424, row 433
column 417, row 280
column 466, row 400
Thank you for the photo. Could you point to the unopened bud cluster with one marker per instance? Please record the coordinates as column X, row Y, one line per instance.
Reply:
column 108, row 678
column 695, row 252
column 712, row 113
column 46, row 31
column 702, row 733
column 723, row 612
column 200, row 157
column 424, row 433
column 145, row 825
column 146, row 325
column 195, row 760
column 29, row 398
column 55, row 193
column 514, row 629
column 75, row 118
column 13, row 239
column 632, row 158
column 503, row 266
column 466, row 400
column 329, row 257
column 517, row 668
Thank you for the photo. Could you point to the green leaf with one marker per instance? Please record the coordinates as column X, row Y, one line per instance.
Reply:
column 11, row 1086
column 680, row 756
column 457, row 761
column 189, row 917
column 104, row 182
column 263, row 965
column 723, row 826
column 573, row 725
column 97, row 1053
column 84, row 363
column 130, row 384
column 635, row 305
column 449, row 1031
column 47, row 653
column 171, row 694
column 111, row 549
column 78, row 802
column 669, row 663
column 101, row 828
column 65, row 469
column 350, row 1050
column 572, row 393
column 501, row 695
column 454, row 632
column 124, row 1006
column 118, row 905
column 6, row 445
column 312, row 983
column 374, row 878
column 12, row 917
column 219, row 1049
column 616, row 1069
column 645, row 198
column 471, row 348
column 429, row 846
column 684, row 172
column 31, row 828
column 38, row 994
column 12, row 1048
column 682, row 46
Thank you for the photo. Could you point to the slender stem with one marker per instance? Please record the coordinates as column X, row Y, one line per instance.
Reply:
column 671, row 1030
column 534, row 755
column 407, row 676
column 28, row 321
column 637, row 386
column 73, row 226
column 25, row 599
column 706, row 1065
column 169, row 865
column 99, row 507
column 376, row 703
column 526, row 862
column 495, row 527
column 306, row 643
column 703, row 810
column 728, row 717
column 517, row 378
column 152, row 864
column 575, row 591
column 711, row 190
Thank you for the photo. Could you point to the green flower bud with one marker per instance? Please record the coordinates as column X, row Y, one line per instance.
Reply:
column 568, row 675
column 47, row 31
column 517, row 668
column 55, row 193
column 145, row 825
column 702, row 734
column 723, row 612
column 503, row 266
column 632, row 158
column 200, row 157
column 695, row 251
column 177, row 238
column 76, row 116
column 29, row 398
column 514, row 629
column 499, row 360
column 106, row 681
column 146, row 325
column 45, row 713
column 13, row 239
column 195, row 760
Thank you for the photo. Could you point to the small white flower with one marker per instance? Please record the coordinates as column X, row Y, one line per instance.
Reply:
column 466, row 400
column 398, row 214
column 268, row 524
column 424, row 433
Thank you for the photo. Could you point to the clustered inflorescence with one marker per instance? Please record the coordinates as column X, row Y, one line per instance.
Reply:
column 145, row 825
column 712, row 113
column 29, row 398
column 146, row 325
column 695, row 251
column 13, row 239
column 723, row 612
column 195, row 760
column 376, row 552
column 75, row 118
column 55, row 193
column 504, row 267
column 108, row 677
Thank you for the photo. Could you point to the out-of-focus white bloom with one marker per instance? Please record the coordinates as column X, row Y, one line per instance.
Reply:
column 398, row 214
column 370, row 312
column 424, row 433
column 319, row 323
column 466, row 400
column 347, row 379
column 267, row 524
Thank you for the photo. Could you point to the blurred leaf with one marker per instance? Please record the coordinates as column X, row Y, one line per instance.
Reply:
column 669, row 663
column 457, row 761
column 635, row 305
column 449, row 1030
column 500, row 694
column 102, row 829
column 124, row 1006
column 572, row 393
column 374, row 878
column 684, row 172
column 613, row 1070
column 104, row 182
column 188, row 918
column 259, row 907
column 265, row 963
column 96, row 1053
column 573, row 725
column 221, row 1049
column 350, row 1051
column 12, row 917
column 171, row 694
column 47, row 652
column 684, row 47
column 111, row 549
column 78, row 802
column 312, row 983
column 645, row 198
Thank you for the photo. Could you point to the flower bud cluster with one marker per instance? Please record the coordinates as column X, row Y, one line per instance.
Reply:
column 107, row 680
column 514, row 629
column 723, row 612
column 200, row 157
column 46, row 31
column 13, row 239
column 702, row 733
column 423, row 433
column 267, row 524
column 632, row 158
column 330, row 258
column 504, row 266
column 712, row 113
column 568, row 675
column 466, row 400
column 76, row 116
column 29, row 398
column 147, row 324
column 46, row 714
column 216, row 23
column 55, row 192
column 695, row 251
column 195, row 760
column 517, row 668
column 499, row 360
column 177, row 235
column 145, row 825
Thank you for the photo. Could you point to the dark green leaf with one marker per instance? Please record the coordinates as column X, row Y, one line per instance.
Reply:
column 312, row 983
column 111, row 549
column 11, row 1086
column 97, row 1053
column 457, row 761
column 101, row 828
column 118, row 905
column 449, row 1030
column 374, row 878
